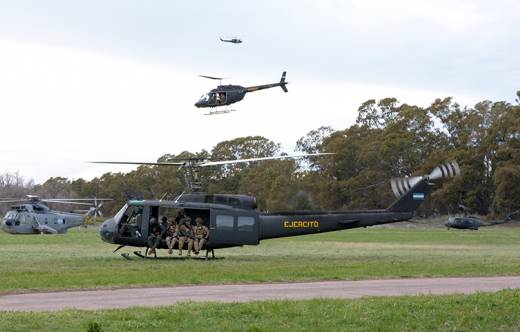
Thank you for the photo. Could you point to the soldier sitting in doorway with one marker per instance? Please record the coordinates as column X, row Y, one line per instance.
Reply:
column 185, row 235
column 172, row 235
column 201, row 233
column 155, row 231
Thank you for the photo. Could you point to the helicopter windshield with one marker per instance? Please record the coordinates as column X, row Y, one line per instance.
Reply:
column 204, row 98
column 119, row 214
column 11, row 215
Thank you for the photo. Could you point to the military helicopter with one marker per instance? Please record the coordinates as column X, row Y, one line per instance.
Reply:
column 474, row 222
column 233, row 40
column 234, row 220
column 225, row 95
column 33, row 216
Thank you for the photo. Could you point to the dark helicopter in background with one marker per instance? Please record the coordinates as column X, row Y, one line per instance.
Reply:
column 225, row 95
column 33, row 216
column 468, row 221
column 234, row 40
column 234, row 220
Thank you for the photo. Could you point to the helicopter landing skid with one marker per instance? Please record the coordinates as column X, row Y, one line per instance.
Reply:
column 225, row 111
column 140, row 255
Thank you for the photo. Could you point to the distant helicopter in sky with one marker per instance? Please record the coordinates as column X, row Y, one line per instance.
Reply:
column 225, row 95
column 33, row 216
column 234, row 40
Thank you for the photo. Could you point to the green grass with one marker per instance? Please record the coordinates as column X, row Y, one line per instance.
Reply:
column 80, row 259
column 483, row 312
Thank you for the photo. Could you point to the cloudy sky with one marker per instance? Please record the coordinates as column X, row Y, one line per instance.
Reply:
column 117, row 80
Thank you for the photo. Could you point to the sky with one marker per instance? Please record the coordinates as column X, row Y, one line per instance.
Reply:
column 117, row 79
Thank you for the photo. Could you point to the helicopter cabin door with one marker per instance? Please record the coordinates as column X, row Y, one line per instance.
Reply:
column 234, row 227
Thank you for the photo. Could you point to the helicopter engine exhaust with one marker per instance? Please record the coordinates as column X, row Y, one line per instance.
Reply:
column 400, row 186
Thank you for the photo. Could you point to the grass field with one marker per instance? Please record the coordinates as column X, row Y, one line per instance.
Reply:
column 482, row 312
column 79, row 259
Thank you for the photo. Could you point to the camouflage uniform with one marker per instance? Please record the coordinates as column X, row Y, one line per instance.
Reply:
column 201, row 235
column 185, row 234
column 172, row 236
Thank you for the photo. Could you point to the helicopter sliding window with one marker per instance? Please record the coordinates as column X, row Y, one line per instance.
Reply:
column 246, row 224
column 225, row 222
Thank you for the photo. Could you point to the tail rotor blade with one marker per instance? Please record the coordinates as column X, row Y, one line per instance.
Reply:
column 401, row 186
column 446, row 170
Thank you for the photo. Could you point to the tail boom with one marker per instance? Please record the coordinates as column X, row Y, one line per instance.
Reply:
column 282, row 84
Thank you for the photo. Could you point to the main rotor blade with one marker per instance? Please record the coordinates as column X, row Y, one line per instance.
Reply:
column 16, row 201
column 213, row 163
column 226, row 162
column 65, row 202
column 77, row 199
column 139, row 163
column 212, row 77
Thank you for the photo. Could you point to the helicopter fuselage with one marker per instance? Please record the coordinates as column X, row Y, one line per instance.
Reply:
column 228, row 94
column 221, row 96
column 30, row 219
column 234, row 221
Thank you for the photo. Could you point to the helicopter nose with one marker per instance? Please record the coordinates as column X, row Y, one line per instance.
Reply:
column 107, row 231
column 8, row 223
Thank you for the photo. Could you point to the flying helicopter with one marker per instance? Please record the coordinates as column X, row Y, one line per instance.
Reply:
column 474, row 222
column 234, row 40
column 234, row 220
column 224, row 95
column 33, row 216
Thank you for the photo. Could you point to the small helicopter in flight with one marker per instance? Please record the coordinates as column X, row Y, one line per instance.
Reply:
column 234, row 220
column 224, row 95
column 33, row 216
column 468, row 221
column 234, row 40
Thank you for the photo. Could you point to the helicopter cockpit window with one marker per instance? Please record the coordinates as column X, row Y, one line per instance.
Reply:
column 204, row 98
column 11, row 215
column 131, row 221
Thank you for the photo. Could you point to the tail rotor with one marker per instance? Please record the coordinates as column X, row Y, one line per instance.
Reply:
column 400, row 186
column 411, row 191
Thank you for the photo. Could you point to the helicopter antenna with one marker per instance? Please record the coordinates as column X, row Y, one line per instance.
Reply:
column 179, row 197
column 163, row 196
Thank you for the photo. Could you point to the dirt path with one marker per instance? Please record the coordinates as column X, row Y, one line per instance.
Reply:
column 124, row 298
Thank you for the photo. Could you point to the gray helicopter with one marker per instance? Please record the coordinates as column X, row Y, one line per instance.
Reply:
column 225, row 95
column 234, row 40
column 471, row 222
column 33, row 216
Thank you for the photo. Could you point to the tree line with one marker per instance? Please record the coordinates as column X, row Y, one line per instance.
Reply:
column 389, row 139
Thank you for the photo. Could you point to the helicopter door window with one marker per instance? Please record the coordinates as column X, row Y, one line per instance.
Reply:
column 225, row 222
column 221, row 98
column 60, row 221
column 246, row 224
column 23, row 219
column 212, row 98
